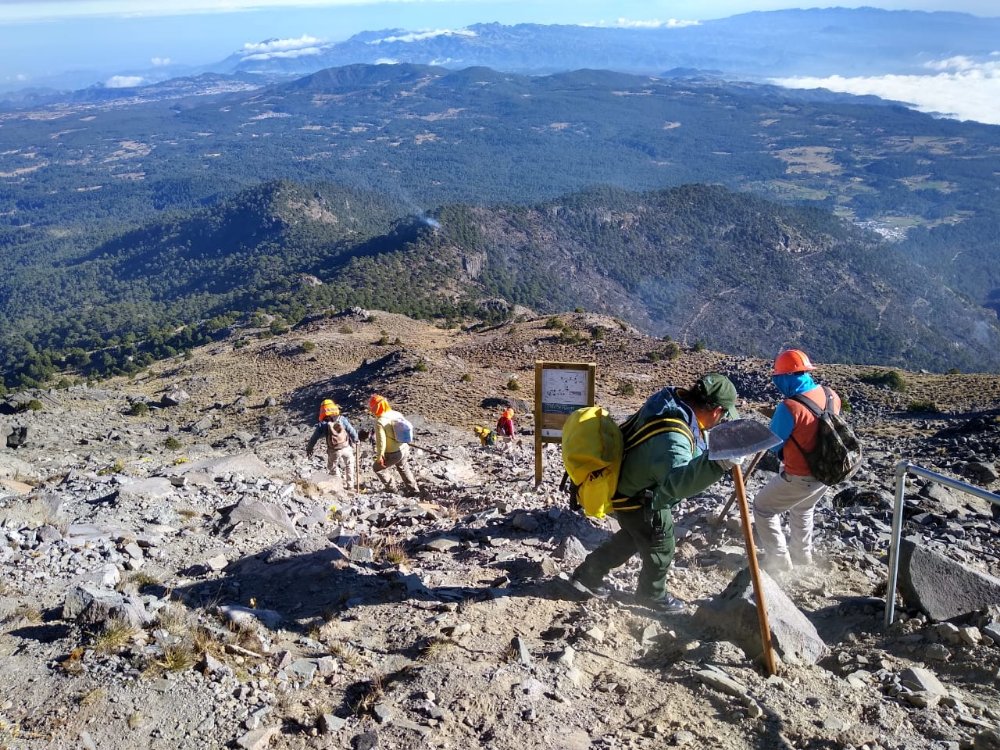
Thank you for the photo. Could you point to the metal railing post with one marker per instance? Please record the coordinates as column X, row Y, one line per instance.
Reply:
column 902, row 469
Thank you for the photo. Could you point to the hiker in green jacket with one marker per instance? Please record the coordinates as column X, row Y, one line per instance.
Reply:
column 655, row 476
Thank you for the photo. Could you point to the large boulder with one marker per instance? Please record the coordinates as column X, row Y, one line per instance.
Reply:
column 732, row 616
column 940, row 586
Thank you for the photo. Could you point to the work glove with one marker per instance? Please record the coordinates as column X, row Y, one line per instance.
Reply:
column 727, row 464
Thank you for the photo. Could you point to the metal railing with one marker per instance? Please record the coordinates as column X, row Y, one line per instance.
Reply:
column 902, row 469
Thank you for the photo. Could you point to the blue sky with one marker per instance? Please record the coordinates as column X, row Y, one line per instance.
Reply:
column 118, row 40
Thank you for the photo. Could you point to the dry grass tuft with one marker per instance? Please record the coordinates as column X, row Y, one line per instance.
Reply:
column 113, row 638
column 374, row 692
column 177, row 658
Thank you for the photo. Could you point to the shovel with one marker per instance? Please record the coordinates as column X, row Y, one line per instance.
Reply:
column 733, row 440
column 732, row 498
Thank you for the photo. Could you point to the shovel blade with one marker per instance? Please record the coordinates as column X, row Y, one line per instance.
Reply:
column 741, row 437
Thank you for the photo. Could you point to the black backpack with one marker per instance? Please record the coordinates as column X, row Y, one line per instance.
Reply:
column 837, row 454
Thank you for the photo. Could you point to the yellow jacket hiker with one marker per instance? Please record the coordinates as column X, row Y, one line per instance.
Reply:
column 391, row 447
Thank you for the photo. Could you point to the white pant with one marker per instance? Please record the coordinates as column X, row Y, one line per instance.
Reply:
column 796, row 496
column 339, row 460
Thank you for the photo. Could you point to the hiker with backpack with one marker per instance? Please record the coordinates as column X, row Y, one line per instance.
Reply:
column 341, row 437
column 505, row 427
column 809, row 467
column 393, row 433
column 665, row 460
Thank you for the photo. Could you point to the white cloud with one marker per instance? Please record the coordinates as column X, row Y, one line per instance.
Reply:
column 288, row 54
column 124, row 82
column 628, row 23
column 159, row 62
column 386, row 61
column 278, row 45
column 670, row 23
column 418, row 36
column 962, row 89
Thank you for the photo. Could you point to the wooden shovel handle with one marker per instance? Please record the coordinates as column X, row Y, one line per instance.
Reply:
column 765, row 628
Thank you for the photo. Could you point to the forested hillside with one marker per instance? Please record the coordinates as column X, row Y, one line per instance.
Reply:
column 695, row 263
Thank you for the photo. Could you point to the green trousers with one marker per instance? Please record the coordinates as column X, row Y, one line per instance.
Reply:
column 647, row 532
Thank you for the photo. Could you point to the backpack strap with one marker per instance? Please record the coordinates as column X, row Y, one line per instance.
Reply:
column 813, row 409
column 635, row 437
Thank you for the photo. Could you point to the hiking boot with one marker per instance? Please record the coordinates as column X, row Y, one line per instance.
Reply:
column 665, row 604
column 775, row 564
column 600, row 591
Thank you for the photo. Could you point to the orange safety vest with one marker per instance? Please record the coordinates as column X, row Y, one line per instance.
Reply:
column 804, row 430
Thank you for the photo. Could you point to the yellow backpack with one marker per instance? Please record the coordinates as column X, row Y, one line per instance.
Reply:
column 592, row 451
column 593, row 448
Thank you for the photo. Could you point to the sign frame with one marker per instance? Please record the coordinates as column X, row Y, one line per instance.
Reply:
column 560, row 389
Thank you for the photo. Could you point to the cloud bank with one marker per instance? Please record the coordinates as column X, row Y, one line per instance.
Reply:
column 960, row 87
column 419, row 36
column 628, row 23
column 124, row 82
column 271, row 49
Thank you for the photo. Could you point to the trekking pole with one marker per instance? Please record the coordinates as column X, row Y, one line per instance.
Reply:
column 430, row 452
column 357, row 466
column 732, row 498
column 765, row 628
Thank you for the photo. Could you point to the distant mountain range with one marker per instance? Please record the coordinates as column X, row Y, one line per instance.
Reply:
column 751, row 46
column 815, row 42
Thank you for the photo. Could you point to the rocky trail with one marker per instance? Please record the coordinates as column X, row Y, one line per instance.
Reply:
column 177, row 574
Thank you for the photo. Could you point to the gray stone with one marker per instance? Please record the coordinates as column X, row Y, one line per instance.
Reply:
column 329, row 724
column 255, row 510
column 241, row 616
column 721, row 682
column 524, row 522
column 987, row 739
column 258, row 739
column 302, row 670
column 941, row 587
column 571, row 550
column 733, row 616
column 523, row 652
column 175, row 397
column 96, row 606
column 920, row 679
column 156, row 488
column 442, row 544
column 361, row 553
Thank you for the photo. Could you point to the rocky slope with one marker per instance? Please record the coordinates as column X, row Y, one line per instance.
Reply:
column 177, row 574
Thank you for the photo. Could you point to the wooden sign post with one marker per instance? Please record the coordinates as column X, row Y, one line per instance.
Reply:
column 560, row 389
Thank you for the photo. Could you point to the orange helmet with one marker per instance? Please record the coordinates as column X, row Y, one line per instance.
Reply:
column 509, row 412
column 328, row 408
column 377, row 405
column 792, row 360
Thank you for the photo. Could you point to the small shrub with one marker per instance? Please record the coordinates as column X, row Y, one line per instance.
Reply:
column 139, row 409
column 33, row 405
column 466, row 378
column 513, row 385
column 654, row 356
column 383, row 339
column 172, row 443
column 922, row 406
column 278, row 328
column 308, row 346
column 177, row 658
column 953, row 371
column 626, row 389
column 891, row 379
column 188, row 355
column 345, row 329
column 699, row 346
column 421, row 366
column 395, row 553
column 554, row 323
column 597, row 333
column 116, row 468
column 579, row 310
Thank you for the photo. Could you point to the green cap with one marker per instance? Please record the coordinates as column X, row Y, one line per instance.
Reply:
column 719, row 391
